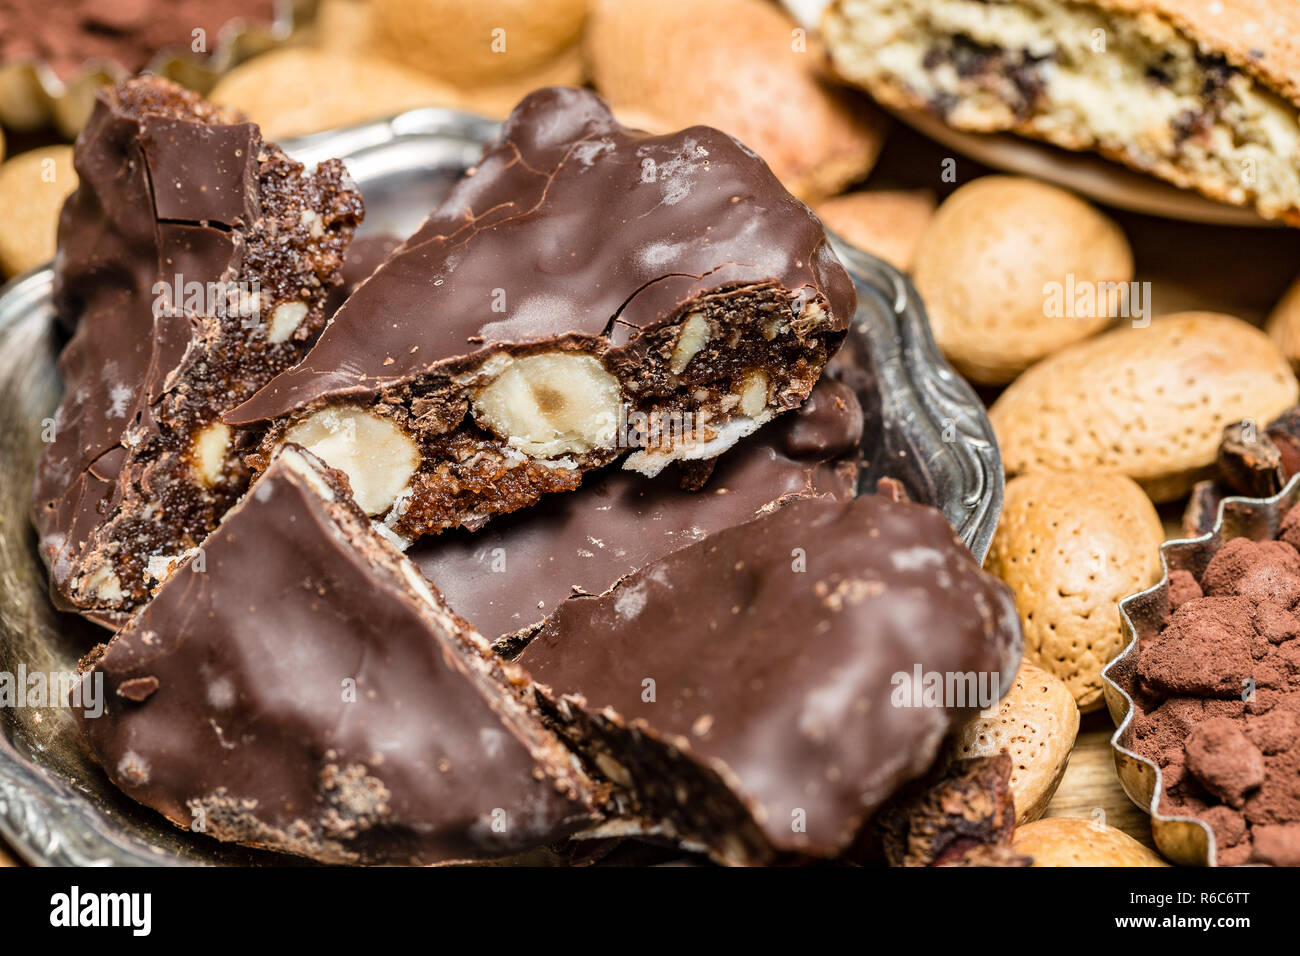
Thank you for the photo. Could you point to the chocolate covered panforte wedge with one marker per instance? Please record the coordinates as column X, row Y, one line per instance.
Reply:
column 510, row 575
column 762, row 692
column 304, row 690
column 194, row 262
column 586, row 291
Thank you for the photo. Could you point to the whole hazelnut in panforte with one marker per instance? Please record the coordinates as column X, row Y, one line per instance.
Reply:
column 1074, row 841
column 1070, row 545
column 888, row 223
column 1035, row 724
column 1012, row 270
column 33, row 186
column 471, row 44
column 1148, row 402
column 744, row 67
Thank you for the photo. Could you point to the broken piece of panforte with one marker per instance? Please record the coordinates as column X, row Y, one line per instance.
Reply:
column 194, row 264
column 586, row 292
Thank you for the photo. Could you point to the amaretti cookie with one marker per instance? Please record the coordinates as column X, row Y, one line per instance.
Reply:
column 762, row 692
column 194, row 263
column 1012, row 270
column 1071, row 546
column 1158, row 398
column 585, row 292
column 1204, row 95
column 299, row 687
column 744, row 67
column 33, row 187
column 506, row 578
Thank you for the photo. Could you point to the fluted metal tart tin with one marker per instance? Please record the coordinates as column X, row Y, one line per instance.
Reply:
column 1183, row 840
column 925, row 427
column 33, row 96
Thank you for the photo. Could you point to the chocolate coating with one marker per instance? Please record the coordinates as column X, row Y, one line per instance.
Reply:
column 301, row 693
column 773, row 685
column 173, row 192
column 828, row 424
column 200, row 172
column 362, row 259
column 518, row 569
column 585, row 228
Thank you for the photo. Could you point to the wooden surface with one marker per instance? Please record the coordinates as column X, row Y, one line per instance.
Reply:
column 1090, row 784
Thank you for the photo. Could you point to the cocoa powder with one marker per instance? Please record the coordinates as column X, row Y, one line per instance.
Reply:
column 1217, row 706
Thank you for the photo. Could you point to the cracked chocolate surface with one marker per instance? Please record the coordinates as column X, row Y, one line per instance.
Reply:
column 175, row 196
column 307, row 692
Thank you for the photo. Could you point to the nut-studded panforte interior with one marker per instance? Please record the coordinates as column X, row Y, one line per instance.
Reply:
column 194, row 265
column 587, row 293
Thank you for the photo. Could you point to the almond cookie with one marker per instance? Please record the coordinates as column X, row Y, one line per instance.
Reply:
column 1150, row 403
column 1035, row 723
column 888, row 223
column 1284, row 323
column 744, row 67
column 282, row 91
column 33, row 186
column 1012, row 270
column 1074, row 841
column 1202, row 94
column 496, row 100
column 471, row 44
column 1070, row 546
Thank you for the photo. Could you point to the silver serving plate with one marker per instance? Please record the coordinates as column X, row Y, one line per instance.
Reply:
column 925, row 427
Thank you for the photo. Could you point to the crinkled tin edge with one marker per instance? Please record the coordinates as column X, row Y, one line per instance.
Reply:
column 1183, row 840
